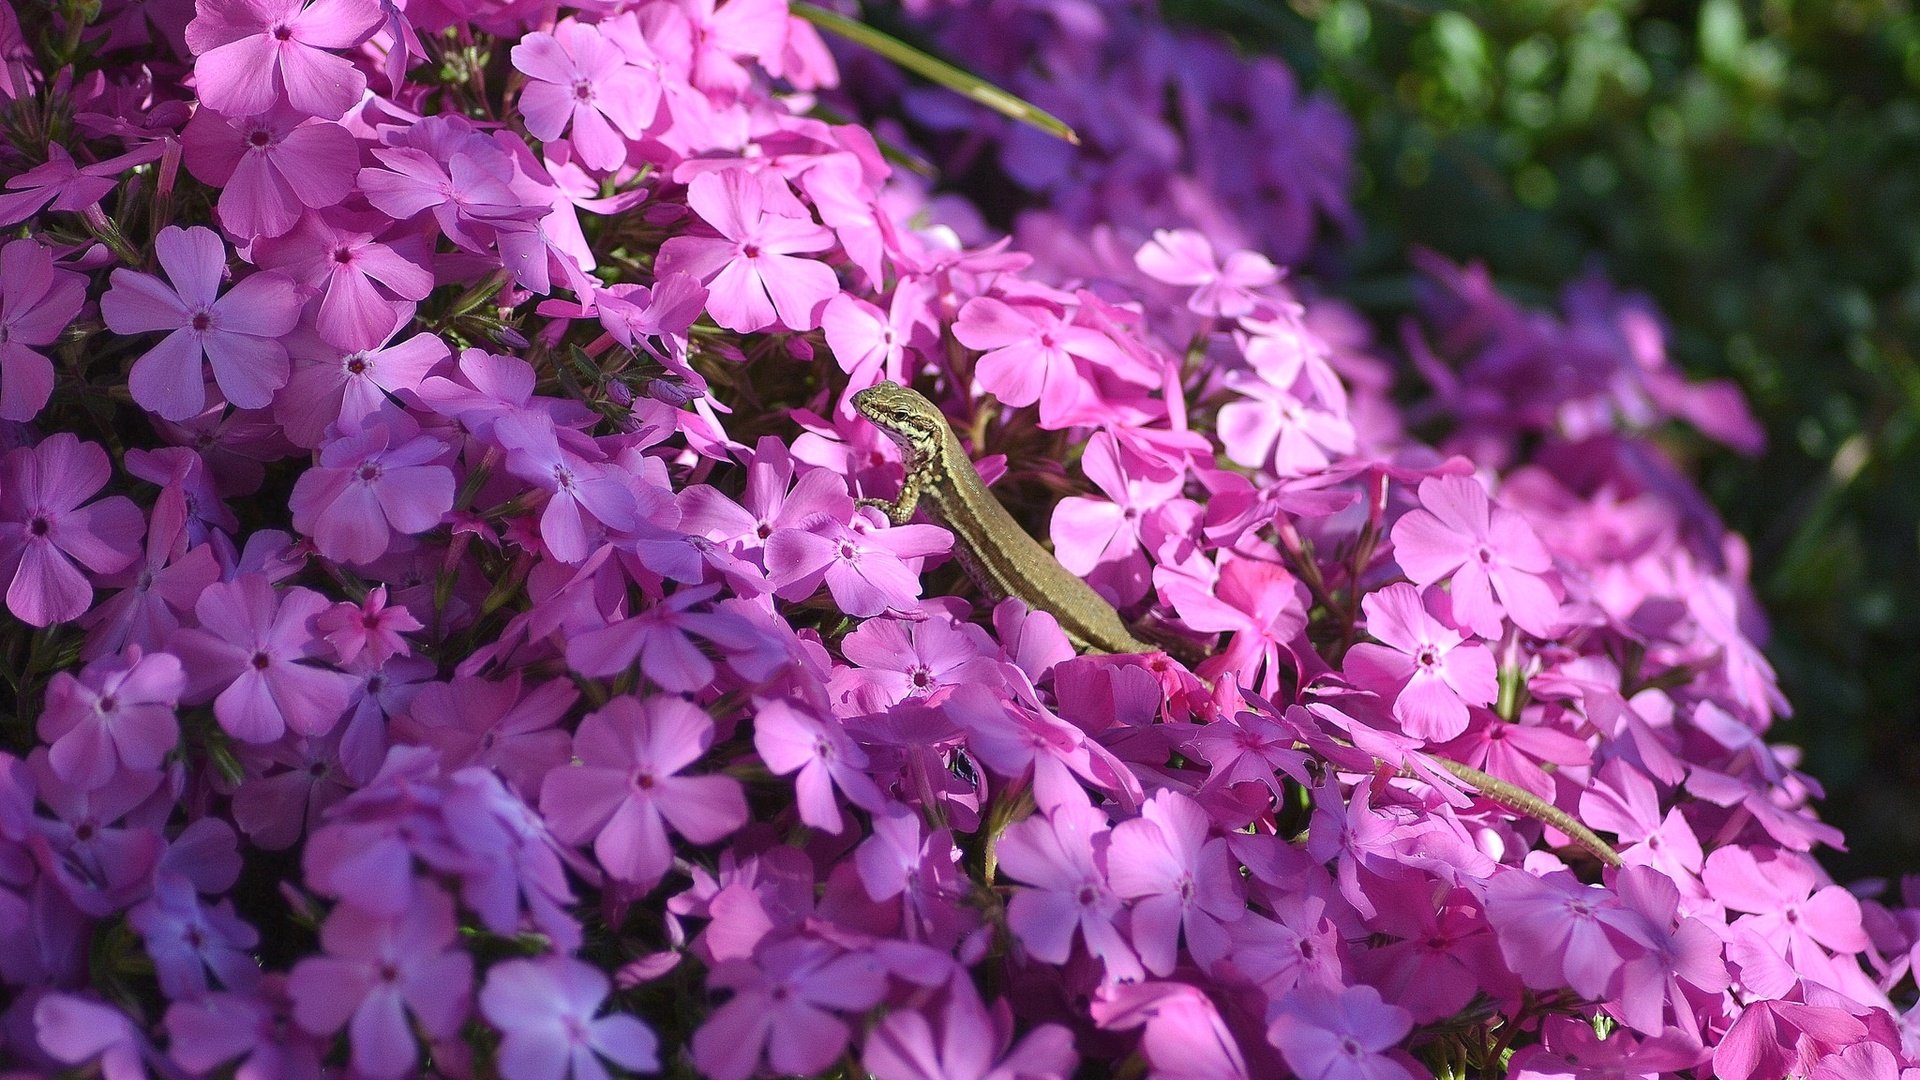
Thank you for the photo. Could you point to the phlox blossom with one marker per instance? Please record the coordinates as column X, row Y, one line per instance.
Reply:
column 1494, row 562
column 248, row 650
column 1184, row 257
column 1431, row 673
column 47, row 536
column 1350, row 1035
column 269, row 167
column 117, row 714
column 37, row 301
column 627, row 788
column 251, row 54
column 545, row 1009
column 369, row 486
column 239, row 332
column 752, row 270
column 577, row 78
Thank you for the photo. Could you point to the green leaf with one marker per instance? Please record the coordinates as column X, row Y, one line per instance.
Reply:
column 964, row 83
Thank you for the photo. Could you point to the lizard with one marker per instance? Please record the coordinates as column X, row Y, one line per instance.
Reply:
column 1006, row 562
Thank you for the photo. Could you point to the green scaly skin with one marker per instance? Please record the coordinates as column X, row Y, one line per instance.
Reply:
column 1005, row 562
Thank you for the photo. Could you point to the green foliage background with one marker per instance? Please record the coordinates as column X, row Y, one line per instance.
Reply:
column 1755, row 167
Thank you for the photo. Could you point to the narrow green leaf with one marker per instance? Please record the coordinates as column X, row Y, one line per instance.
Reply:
column 961, row 82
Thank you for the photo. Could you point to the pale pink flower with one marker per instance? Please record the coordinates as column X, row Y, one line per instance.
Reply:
column 577, row 78
column 248, row 650
column 1426, row 667
column 1490, row 555
column 268, row 167
column 1184, row 257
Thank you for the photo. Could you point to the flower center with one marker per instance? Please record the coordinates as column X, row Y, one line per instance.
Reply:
column 260, row 139
column 202, row 321
column 369, row 472
column 583, row 90
column 343, row 255
column 356, row 364
column 283, row 32
column 260, row 661
column 39, row 526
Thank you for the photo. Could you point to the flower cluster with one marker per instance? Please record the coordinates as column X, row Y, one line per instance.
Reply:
column 447, row 632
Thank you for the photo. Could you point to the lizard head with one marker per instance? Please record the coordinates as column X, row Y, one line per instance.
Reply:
column 907, row 417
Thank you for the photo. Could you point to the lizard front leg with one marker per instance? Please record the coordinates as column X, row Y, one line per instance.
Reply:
column 899, row 510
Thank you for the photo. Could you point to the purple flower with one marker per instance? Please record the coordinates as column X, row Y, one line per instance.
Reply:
column 972, row 1043
column 1495, row 563
column 371, row 485
column 187, row 939
column 792, row 740
column 752, row 276
column 251, row 54
column 581, row 488
column 1061, row 855
column 578, row 78
column 1426, row 667
column 626, row 789
column 357, row 277
column 1350, row 1035
column 783, row 1007
column 1176, row 879
column 117, row 714
column 36, row 303
column 545, row 1009
column 45, row 531
column 376, row 971
column 329, row 384
column 269, row 166
column 865, row 568
column 248, row 649
column 238, row 333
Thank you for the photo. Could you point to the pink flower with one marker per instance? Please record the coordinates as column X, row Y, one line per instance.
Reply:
column 75, row 1031
column 330, row 384
column 866, row 569
column 474, row 721
column 1496, row 564
column 238, row 332
column 1260, row 603
column 1177, row 879
column 249, row 646
column 581, row 489
column 44, row 531
column 899, row 659
column 577, row 78
column 545, row 1009
column 356, row 276
column 626, row 789
column 251, row 54
column 1102, row 540
column 1350, row 1035
column 1271, row 426
column 36, row 303
column 1062, row 856
column 783, row 1007
column 1032, row 352
column 1426, row 667
column 377, row 970
column 1184, row 257
column 792, row 740
column 371, row 485
column 972, row 1043
column 371, row 628
column 118, row 714
column 270, row 166
column 750, row 270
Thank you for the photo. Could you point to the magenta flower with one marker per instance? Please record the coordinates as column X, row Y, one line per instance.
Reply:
column 1349, row 1035
column 1428, row 670
column 1270, row 426
column 1176, row 879
column 187, row 940
column 784, row 1009
column 752, row 276
column 76, row 1030
column 792, row 740
column 371, row 485
column 626, row 789
column 371, row 628
column 376, row 971
column 44, row 531
column 972, row 1043
column 61, row 184
column 251, row 54
column 577, row 78
column 1184, row 257
column 238, row 333
column 1104, row 540
column 1496, row 564
column 1032, row 352
column 248, row 649
column 331, row 385
column 545, row 1010
column 474, row 721
column 117, row 714
column 270, row 166
column 36, row 303
column 1061, row 856
column 581, row 489
column 367, row 287
column 865, row 568
column 899, row 659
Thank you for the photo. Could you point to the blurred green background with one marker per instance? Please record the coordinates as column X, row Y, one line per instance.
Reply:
column 1755, row 167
